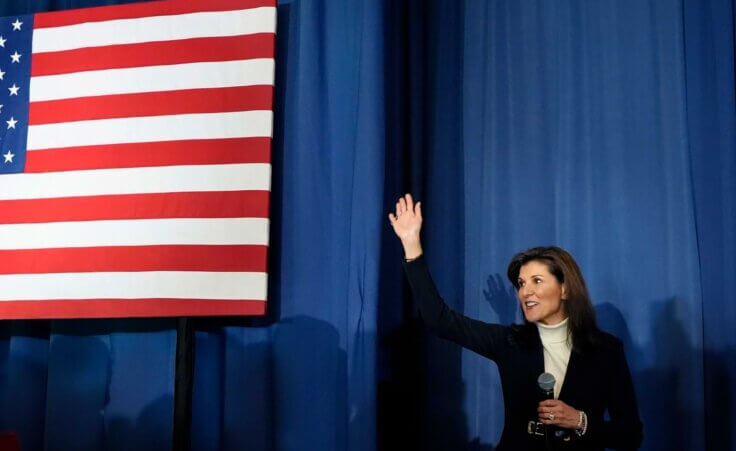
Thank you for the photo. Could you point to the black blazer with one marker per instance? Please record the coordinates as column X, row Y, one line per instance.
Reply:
column 595, row 382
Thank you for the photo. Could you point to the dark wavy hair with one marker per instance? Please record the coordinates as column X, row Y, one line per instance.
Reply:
column 582, row 327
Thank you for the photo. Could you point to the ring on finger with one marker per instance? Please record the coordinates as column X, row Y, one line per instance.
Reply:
column 552, row 417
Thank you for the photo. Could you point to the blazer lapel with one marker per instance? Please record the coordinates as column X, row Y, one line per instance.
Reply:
column 572, row 376
column 537, row 359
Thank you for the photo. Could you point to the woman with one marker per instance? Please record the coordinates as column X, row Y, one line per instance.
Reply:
column 559, row 337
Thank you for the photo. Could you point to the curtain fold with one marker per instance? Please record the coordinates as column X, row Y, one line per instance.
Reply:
column 608, row 128
column 711, row 110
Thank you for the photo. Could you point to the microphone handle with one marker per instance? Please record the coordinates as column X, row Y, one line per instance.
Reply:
column 548, row 394
column 549, row 429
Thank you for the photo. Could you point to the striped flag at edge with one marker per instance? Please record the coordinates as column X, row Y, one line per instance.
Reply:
column 135, row 159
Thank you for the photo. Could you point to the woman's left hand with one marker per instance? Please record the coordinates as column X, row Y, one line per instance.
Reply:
column 556, row 412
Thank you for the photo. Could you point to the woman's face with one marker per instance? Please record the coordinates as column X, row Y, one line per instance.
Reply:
column 540, row 294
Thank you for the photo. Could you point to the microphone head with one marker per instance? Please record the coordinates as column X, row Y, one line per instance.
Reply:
column 546, row 382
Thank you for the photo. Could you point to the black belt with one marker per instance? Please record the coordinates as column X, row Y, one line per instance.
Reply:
column 537, row 428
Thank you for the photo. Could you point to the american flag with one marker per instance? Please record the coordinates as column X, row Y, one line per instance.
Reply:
column 135, row 159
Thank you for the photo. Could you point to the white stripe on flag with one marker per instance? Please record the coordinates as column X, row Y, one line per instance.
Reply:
column 160, row 28
column 142, row 232
column 166, row 179
column 220, row 74
column 131, row 285
column 240, row 124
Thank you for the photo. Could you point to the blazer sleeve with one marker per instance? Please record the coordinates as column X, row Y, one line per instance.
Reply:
column 624, row 429
column 483, row 338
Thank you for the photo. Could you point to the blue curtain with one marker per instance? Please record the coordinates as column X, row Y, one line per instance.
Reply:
column 605, row 127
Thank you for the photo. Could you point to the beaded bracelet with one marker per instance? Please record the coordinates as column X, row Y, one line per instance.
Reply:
column 582, row 426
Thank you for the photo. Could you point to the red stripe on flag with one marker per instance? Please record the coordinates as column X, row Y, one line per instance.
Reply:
column 227, row 48
column 137, row 10
column 188, row 101
column 218, row 204
column 166, row 153
column 129, row 308
column 234, row 258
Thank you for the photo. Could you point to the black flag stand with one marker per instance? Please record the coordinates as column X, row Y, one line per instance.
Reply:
column 183, row 383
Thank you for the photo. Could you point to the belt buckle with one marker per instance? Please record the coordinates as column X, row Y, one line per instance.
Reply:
column 534, row 428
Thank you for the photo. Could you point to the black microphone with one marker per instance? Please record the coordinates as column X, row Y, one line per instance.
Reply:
column 546, row 382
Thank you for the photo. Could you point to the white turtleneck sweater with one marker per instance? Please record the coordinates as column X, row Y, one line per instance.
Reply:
column 557, row 349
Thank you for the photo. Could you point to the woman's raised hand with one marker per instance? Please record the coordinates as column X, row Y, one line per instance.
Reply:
column 407, row 223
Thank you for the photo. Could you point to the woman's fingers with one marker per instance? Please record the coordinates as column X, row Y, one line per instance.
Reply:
column 406, row 206
column 548, row 416
column 548, row 411
column 409, row 202
column 558, row 413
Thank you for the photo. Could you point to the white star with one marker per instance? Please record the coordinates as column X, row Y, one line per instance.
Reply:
column 14, row 90
column 11, row 123
column 2, row 74
column 1, row 108
column 16, row 25
column 9, row 157
column 15, row 57
column 2, row 41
